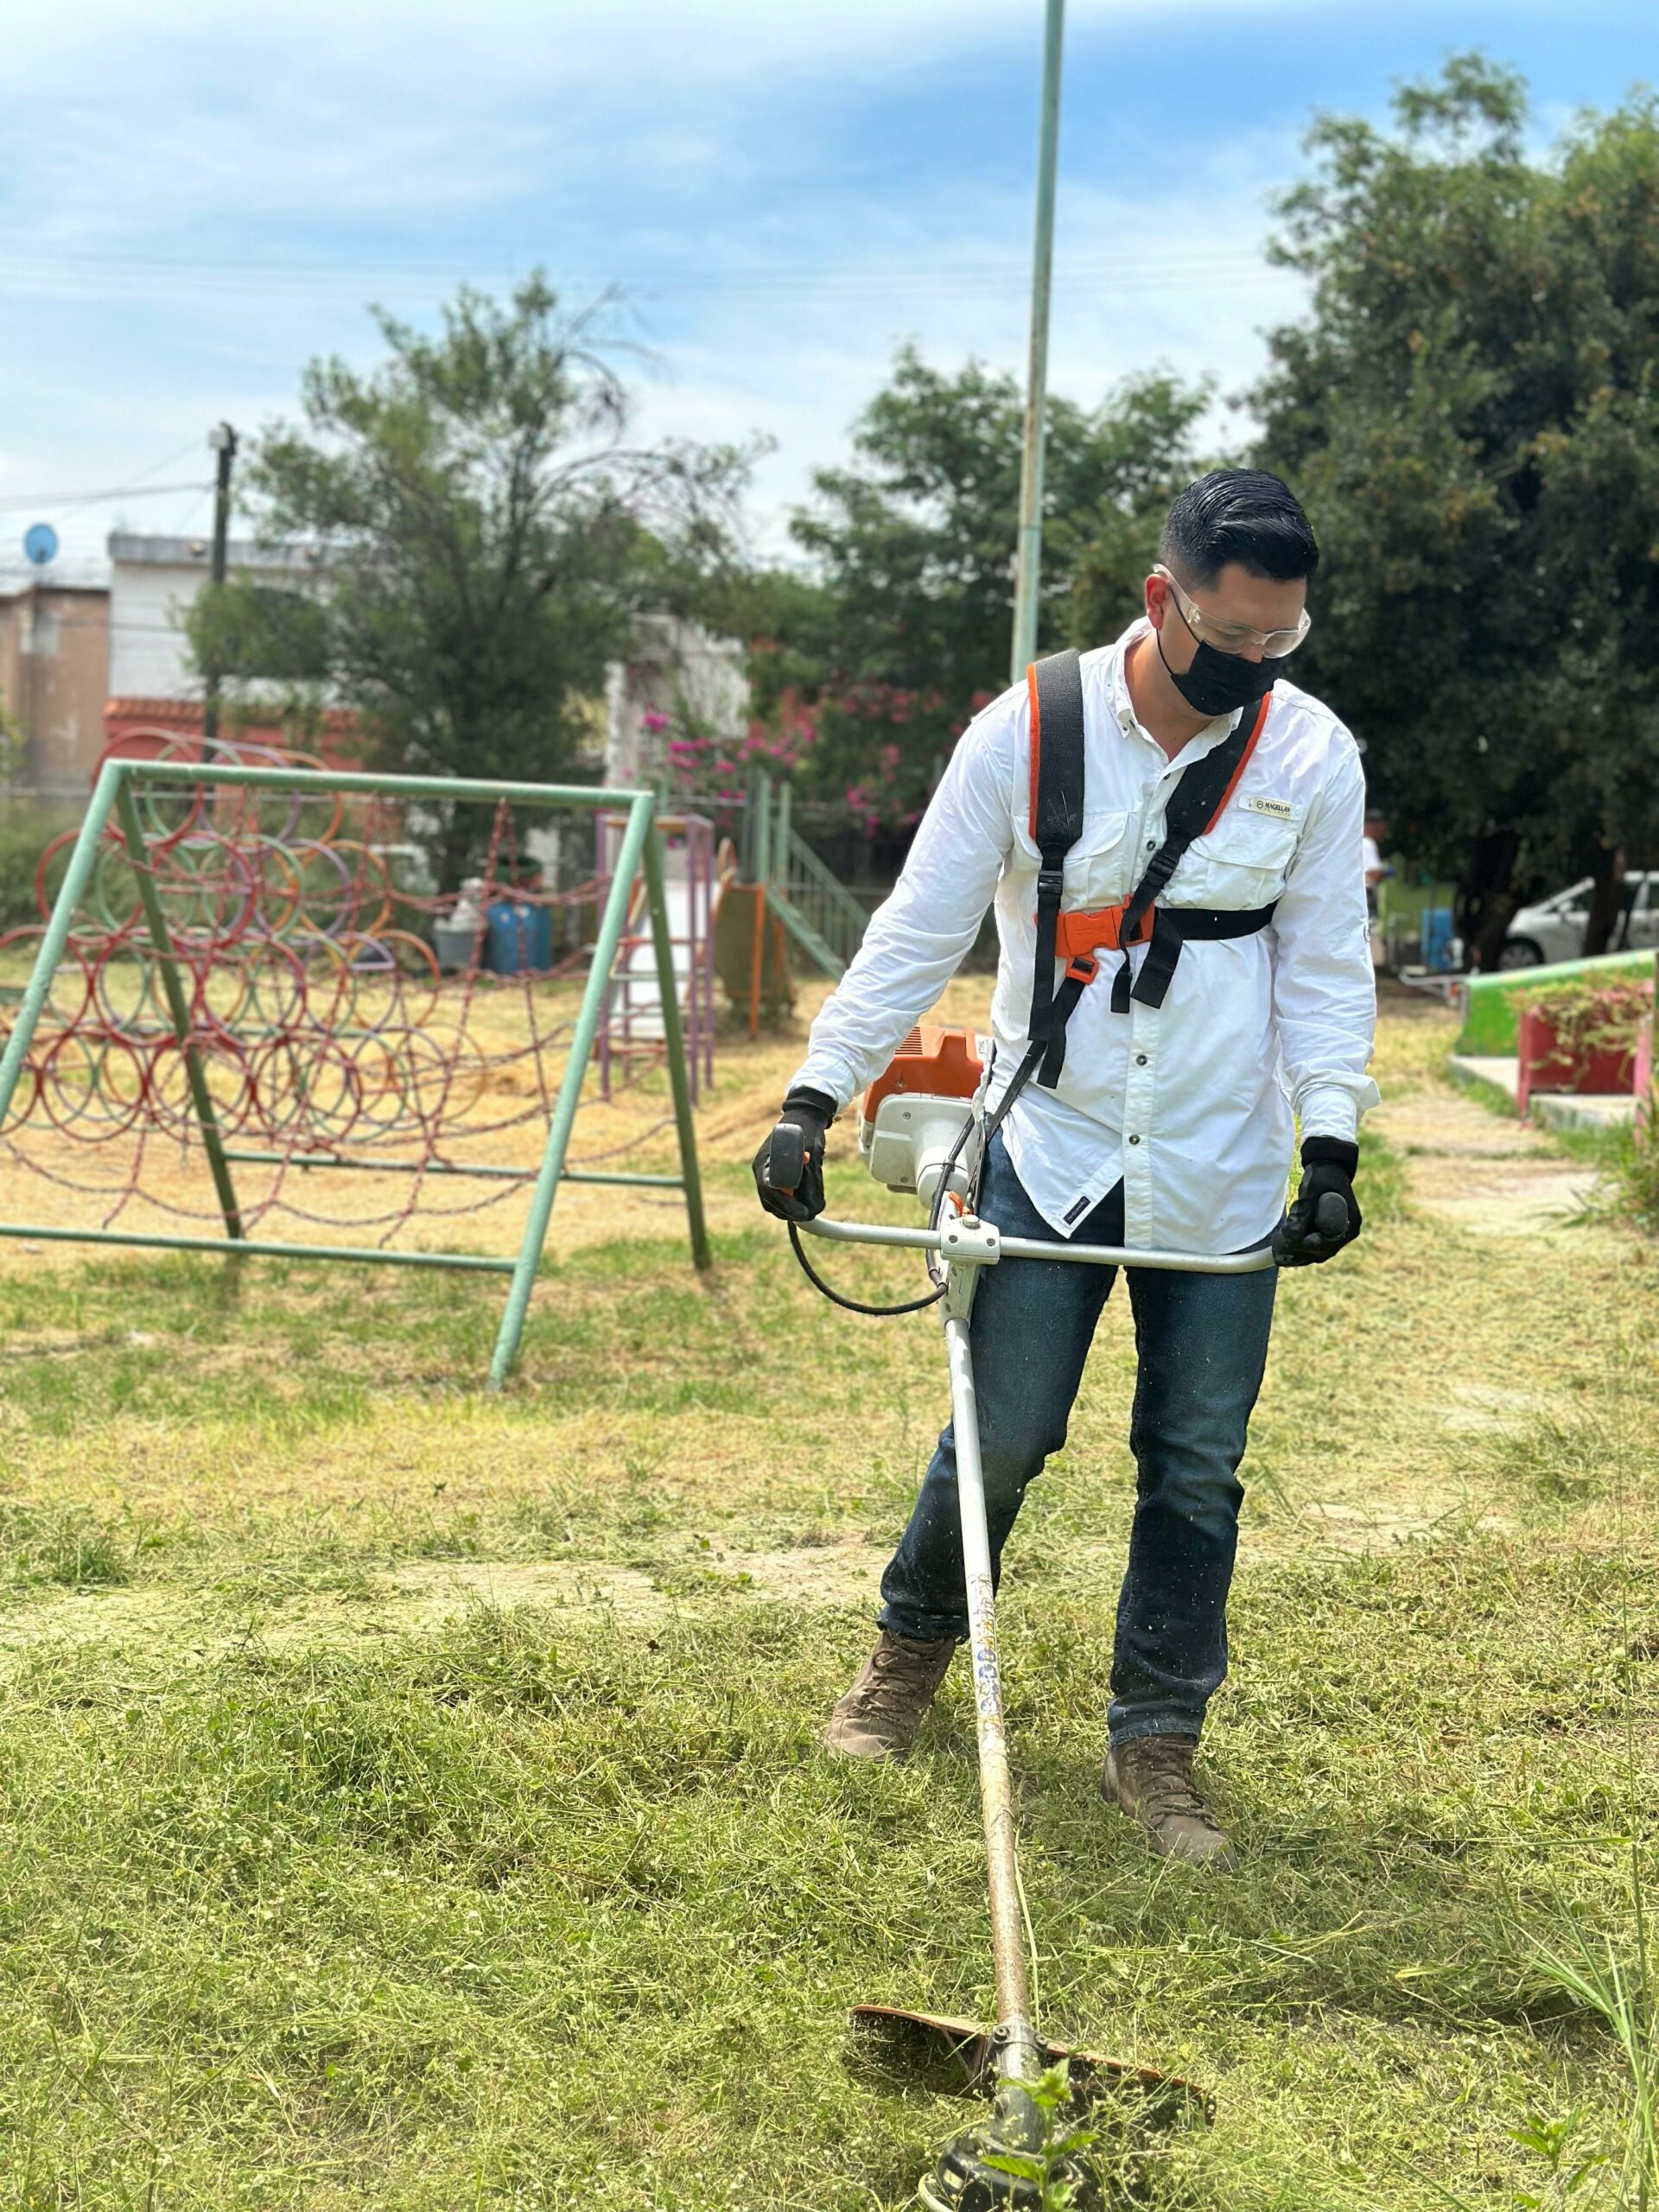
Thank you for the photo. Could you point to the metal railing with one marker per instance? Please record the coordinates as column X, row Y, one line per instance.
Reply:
column 814, row 905
column 822, row 916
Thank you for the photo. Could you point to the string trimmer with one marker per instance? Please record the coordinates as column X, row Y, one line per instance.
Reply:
column 924, row 1128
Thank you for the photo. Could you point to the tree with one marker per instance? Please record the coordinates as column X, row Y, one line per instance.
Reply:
column 908, row 627
column 1471, row 414
column 483, row 528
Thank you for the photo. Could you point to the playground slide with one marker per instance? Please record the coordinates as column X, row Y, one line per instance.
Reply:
column 751, row 956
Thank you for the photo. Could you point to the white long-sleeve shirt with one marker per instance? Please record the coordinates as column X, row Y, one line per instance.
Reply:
column 1190, row 1102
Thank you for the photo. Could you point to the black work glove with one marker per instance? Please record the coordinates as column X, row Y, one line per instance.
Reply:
column 801, row 1167
column 1325, row 1215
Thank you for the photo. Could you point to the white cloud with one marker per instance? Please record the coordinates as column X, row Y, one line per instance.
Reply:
column 624, row 42
column 124, row 118
column 174, row 167
column 1120, row 305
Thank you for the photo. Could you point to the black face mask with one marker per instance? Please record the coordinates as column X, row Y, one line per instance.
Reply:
column 1217, row 682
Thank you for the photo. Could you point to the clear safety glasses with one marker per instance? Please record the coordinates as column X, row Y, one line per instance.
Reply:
column 1235, row 637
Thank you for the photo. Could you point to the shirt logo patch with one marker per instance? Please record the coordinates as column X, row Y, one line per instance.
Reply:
column 1280, row 809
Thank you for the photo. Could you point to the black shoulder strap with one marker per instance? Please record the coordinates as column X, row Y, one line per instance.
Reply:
column 1201, row 791
column 1197, row 798
column 1055, row 818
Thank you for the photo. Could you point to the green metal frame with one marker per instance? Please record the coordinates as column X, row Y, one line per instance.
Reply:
column 112, row 797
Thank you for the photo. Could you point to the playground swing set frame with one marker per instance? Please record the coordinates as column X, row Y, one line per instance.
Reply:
column 641, row 848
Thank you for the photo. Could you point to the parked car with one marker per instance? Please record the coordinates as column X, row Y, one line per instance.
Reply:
column 1554, row 929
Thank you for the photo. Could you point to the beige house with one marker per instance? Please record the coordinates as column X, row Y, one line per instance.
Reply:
column 55, row 677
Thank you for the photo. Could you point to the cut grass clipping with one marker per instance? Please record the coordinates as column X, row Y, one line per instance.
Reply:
column 412, row 1800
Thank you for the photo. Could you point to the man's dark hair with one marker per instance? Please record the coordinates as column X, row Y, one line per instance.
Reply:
column 1242, row 515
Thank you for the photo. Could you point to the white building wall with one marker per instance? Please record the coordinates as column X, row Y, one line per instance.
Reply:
column 152, row 582
column 147, row 655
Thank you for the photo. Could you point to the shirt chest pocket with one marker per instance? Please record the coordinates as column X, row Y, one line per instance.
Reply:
column 1240, row 862
column 1100, row 866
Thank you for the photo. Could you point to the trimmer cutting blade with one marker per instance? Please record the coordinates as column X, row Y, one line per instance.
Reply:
column 955, row 2057
column 959, row 2057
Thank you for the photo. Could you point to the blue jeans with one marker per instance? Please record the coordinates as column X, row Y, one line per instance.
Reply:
column 1201, row 1343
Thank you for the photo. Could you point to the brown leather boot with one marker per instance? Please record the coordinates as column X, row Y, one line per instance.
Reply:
column 880, row 1715
column 1150, row 1778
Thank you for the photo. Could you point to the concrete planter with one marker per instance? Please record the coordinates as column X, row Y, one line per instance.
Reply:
column 1546, row 1064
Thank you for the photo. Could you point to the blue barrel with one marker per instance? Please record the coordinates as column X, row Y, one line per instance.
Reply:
column 1436, row 939
column 520, row 937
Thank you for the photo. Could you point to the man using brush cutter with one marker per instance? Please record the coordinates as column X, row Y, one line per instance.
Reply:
column 1182, row 828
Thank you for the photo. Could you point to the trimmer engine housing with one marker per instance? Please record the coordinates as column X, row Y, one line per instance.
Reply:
column 913, row 1112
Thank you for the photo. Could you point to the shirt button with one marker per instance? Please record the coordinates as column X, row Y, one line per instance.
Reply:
column 1151, row 844
column 1140, row 1059
column 1135, row 1139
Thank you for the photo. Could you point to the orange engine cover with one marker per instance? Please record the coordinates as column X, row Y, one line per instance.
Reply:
column 933, row 1062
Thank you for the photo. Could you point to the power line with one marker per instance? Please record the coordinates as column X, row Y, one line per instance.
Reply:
column 93, row 273
column 19, row 500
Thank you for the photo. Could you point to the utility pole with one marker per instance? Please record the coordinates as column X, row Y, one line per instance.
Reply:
column 221, row 441
column 1029, row 556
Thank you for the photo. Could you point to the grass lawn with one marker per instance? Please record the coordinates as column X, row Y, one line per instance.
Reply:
column 411, row 1800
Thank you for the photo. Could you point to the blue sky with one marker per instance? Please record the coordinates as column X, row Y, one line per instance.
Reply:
column 194, row 199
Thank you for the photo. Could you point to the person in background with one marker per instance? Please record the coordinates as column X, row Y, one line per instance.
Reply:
column 1377, row 829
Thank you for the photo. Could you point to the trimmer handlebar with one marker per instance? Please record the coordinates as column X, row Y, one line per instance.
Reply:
column 1033, row 1247
column 785, row 1165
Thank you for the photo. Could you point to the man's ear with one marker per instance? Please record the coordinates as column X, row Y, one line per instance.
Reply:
column 1155, row 592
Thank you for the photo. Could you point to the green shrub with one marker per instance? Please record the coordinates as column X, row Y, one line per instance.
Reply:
column 1592, row 1014
column 1636, row 1169
column 26, row 828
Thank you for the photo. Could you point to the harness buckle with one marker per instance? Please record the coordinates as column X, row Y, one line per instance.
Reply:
column 1077, row 936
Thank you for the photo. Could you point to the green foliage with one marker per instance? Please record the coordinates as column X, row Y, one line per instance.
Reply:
column 12, row 746
column 1471, row 415
column 1058, row 2168
column 64, row 1547
column 1591, row 1013
column 484, row 527
column 907, row 630
column 1629, row 1161
column 1619, row 1995
column 278, row 641
column 26, row 828
column 1638, row 1170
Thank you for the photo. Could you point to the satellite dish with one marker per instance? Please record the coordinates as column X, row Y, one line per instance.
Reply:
column 40, row 543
